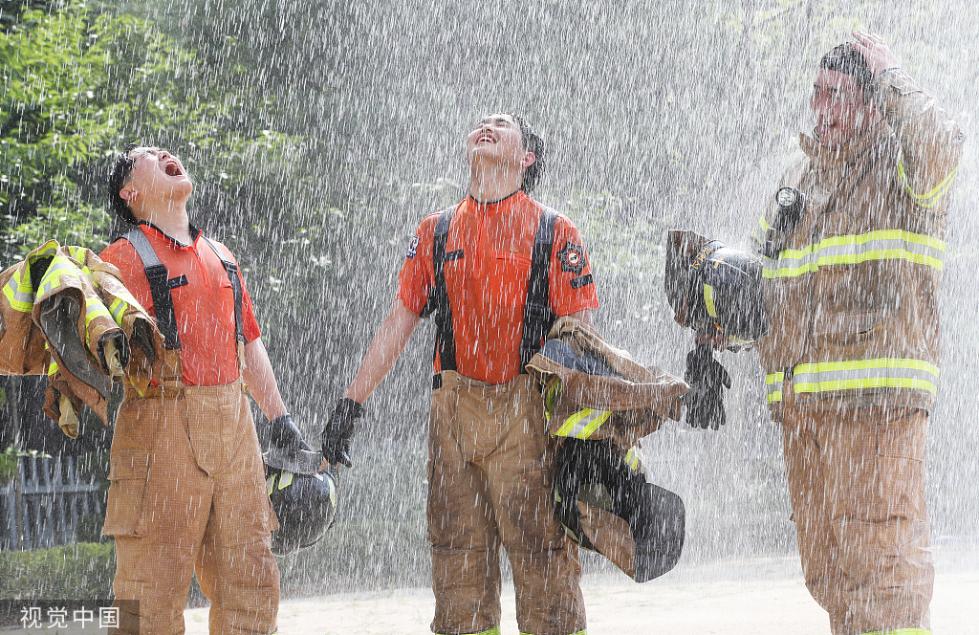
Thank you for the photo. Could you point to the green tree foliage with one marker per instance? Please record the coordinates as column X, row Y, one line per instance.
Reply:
column 59, row 572
column 80, row 81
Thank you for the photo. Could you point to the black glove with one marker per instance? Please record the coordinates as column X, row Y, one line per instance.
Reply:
column 284, row 447
column 338, row 431
column 707, row 379
column 285, row 435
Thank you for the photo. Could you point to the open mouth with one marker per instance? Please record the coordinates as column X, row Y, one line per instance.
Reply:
column 172, row 169
column 485, row 139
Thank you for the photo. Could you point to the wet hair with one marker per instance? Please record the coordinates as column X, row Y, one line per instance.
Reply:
column 122, row 167
column 848, row 60
column 532, row 143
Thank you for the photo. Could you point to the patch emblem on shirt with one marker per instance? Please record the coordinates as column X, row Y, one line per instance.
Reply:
column 572, row 258
column 412, row 248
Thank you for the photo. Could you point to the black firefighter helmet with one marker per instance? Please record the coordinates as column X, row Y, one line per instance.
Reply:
column 606, row 505
column 305, row 504
column 714, row 288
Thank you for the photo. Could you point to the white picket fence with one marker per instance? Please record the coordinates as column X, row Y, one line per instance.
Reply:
column 44, row 504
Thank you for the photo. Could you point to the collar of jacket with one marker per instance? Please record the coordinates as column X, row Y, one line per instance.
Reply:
column 850, row 152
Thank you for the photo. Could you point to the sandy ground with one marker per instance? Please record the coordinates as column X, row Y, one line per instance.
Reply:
column 697, row 601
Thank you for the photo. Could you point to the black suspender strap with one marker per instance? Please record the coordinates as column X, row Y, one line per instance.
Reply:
column 232, row 270
column 160, row 285
column 445, row 344
column 538, row 316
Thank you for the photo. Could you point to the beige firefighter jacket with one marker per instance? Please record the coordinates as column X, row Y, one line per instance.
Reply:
column 852, row 289
column 624, row 406
column 65, row 313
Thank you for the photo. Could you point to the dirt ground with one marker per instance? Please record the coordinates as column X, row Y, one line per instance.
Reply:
column 757, row 597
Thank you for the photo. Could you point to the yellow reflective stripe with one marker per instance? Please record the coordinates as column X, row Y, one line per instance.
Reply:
column 851, row 249
column 490, row 631
column 59, row 268
column 596, row 423
column 285, row 480
column 763, row 223
column 550, row 397
column 886, row 372
column 570, row 423
column 123, row 294
column 860, row 384
column 78, row 253
column 583, row 423
column 567, row 428
column 775, row 378
column 864, row 364
column 47, row 249
column 787, row 272
column 930, row 198
column 19, row 291
column 632, row 459
column 854, row 259
column 901, row 631
column 883, row 234
column 95, row 309
column 709, row 300
column 773, row 386
column 52, row 368
column 118, row 310
column 881, row 254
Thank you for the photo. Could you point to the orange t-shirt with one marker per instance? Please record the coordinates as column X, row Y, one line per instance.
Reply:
column 487, row 279
column 204, row 307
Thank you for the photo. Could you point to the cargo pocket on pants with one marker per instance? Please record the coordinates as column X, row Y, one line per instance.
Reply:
column 128, row 471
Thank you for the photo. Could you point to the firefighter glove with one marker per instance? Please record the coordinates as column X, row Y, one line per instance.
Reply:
column 285, row 435
column 338, row 431
column 707, row 380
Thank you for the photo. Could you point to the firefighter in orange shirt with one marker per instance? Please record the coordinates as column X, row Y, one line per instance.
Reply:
column 496, row 269
column 187, row 491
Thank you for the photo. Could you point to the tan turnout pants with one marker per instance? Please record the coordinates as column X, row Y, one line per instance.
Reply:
column 489, row 475
column 188, row 495
column 857, row 482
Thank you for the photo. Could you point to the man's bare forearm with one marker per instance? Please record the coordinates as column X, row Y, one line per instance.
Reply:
column 260, row 379
column 384, row 350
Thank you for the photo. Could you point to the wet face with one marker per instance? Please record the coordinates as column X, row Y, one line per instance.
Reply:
column 157, row 176
column 840, row 108
column 497, row 138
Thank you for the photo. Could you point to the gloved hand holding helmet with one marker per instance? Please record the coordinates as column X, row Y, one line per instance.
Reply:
column 338, row 431
column 286, row 449
column 304, row 499
column 716, row 291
